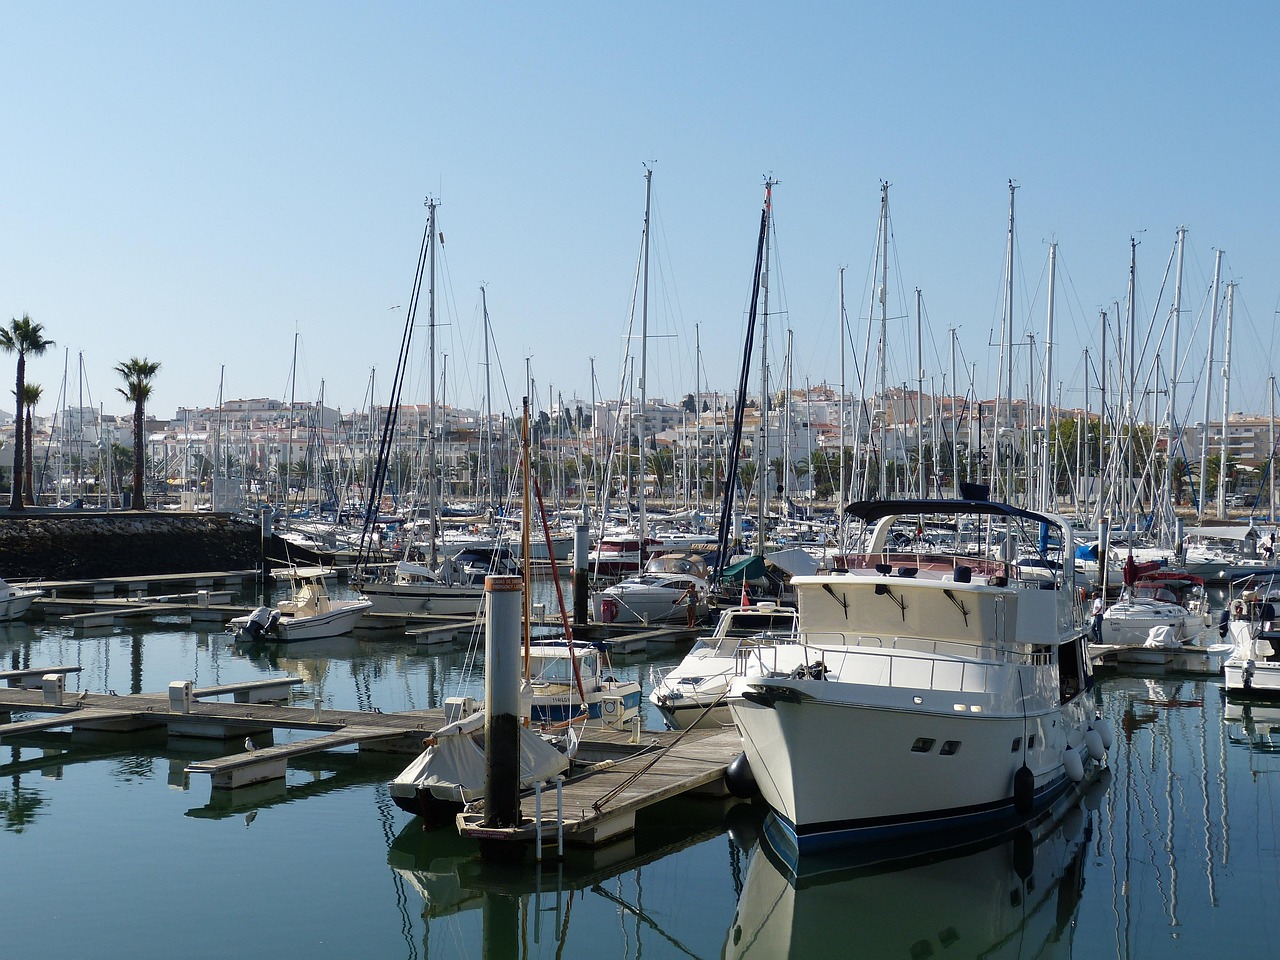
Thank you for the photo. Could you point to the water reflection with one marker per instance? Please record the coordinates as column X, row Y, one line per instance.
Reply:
column 528, row 910
column 1016, row 894
column 1253, row 724
column 20, row 804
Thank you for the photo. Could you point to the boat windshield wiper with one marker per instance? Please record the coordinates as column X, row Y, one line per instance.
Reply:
column 959, row 605
column 882, row 590
column 842, row 600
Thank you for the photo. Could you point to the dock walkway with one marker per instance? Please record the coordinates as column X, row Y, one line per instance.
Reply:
column 601, row 803
column 631, row 771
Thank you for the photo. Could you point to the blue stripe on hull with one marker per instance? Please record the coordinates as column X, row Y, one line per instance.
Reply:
column 963, row 823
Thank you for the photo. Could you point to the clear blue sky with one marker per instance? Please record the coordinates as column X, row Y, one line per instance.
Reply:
column 199, row 183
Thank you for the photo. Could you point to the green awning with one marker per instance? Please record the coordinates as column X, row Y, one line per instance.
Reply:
column 752, row 568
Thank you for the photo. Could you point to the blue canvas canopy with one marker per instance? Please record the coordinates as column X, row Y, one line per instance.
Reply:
column 1087, row 551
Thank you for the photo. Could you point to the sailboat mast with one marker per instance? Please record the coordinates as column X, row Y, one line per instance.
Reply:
column 1271, row 446
column 433, row 506
column 526, row 524
column 697, row 425
column 1005, row 369
column 1208, row 379
column 1047, row 486
column 955, row 435
column 787, row 437
column 1224, row 450
column 1103, row 497
column 488, row 408
column 1131, row 404
column 762, row 431
column 920, row 489
column 644, row 358
column 1172, row 432
column 844, row 413
column 884, row 335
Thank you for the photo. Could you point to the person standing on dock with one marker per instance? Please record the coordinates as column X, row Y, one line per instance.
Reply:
column 1096, row 611
column 690, row 598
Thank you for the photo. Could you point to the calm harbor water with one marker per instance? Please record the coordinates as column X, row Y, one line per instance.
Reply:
column 109, row 849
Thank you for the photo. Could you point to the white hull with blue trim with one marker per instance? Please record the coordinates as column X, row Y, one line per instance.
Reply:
column 926, row 692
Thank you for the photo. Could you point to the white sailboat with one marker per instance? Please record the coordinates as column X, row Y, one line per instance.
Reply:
column 436, row 587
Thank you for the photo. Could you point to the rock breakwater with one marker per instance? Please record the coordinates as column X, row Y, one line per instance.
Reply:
column 74, row 545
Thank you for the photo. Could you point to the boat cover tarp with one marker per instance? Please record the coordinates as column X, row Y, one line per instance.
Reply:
column 1087, row 551
column 795, row 561
column 453, row 768
column 1222, row 533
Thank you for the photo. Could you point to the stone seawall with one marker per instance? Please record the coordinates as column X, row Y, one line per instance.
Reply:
column 75, row 545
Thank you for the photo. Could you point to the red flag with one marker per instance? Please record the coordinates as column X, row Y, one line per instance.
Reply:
column 746, row 601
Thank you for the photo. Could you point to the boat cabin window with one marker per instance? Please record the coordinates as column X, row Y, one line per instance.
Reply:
column 560, row 669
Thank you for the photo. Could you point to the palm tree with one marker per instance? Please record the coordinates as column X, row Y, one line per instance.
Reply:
column 30, row 397
column 21, row 337
column 137, row 375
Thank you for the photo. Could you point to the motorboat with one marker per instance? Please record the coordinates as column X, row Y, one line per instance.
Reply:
column 1226, row 553
column 15, row 601
column 693, row 693
column 454, row 588
column 925, row 692
column 1163, row 598
column 658, row 595
column 1253, row 666
column 309, row 614
column 619, row 556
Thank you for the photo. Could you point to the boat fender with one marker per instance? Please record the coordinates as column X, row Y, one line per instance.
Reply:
column 1105, row 731
column 608, row 610
column 1093, row 744
column 738, row 778
column 1073, row 763
column 1024, row 790
column 1024, row 853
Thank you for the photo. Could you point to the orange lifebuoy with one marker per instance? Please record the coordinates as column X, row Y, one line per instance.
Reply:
column 608, row 609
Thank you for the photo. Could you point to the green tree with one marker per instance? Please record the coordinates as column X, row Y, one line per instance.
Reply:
column 31, row 393
column 121, row 462
column 662, row 463
column 138, row 374
column 22, row 337
column 747, row 476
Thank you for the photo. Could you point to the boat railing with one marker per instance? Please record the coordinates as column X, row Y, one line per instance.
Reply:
column 915, row 662
column 928, row 560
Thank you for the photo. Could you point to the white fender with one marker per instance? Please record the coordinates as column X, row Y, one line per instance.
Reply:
column 1105, row 730
column 1093, row 743
column 1073, row 764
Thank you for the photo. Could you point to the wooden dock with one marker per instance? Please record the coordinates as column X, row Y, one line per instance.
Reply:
column 601, row 803
column 185, row 715
column 626, row 773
